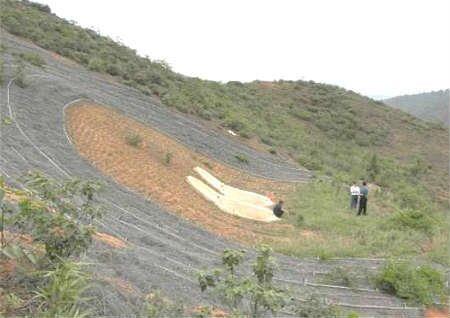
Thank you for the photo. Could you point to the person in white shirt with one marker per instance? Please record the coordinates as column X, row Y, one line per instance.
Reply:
column 354, row 195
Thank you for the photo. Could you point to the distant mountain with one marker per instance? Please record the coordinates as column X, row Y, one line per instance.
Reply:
column 431, row 106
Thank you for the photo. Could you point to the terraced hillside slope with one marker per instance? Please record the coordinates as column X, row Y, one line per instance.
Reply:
column 344, row 135
column 143, row 246
column 431, row 106
column 324, row 128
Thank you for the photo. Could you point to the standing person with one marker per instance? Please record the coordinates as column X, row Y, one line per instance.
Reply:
column 354, row 194
column 278, row 209
column 363, row 194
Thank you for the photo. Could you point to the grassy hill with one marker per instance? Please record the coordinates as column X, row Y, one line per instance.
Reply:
column 333, row 131
column 432, row 106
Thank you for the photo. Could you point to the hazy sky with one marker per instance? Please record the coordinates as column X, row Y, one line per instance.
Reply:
column 377, row 47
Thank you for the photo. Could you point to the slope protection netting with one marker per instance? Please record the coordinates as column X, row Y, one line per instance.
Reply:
column 163, row 251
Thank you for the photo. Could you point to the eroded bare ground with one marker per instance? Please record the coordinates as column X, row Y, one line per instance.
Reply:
column 163, row 251
column 157, row 168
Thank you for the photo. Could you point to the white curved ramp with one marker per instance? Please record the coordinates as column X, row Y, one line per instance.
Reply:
column 228, row 205
column 234, row 193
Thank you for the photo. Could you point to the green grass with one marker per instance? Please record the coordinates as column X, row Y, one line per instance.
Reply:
column 322, row 208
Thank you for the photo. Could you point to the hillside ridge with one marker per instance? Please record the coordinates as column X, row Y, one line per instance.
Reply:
column 431, row 106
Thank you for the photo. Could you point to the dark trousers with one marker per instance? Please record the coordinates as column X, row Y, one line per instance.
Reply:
column 362, row 206
column 354, row 202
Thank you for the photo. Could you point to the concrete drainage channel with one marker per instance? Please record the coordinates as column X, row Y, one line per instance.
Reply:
column 164, row 251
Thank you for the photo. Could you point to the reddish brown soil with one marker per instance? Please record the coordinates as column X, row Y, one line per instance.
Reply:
column 125, row 287
column 109, row 240
column 437, row 313
column 99, row 134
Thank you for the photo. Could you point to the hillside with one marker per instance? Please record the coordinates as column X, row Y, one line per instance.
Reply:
column 79, row 105
column 431, row 106
column 322, row 127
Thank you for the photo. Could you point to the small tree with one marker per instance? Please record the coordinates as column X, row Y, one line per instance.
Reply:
column 251, row 296
column 373, row 169
column 20, row 75
column 60, row 216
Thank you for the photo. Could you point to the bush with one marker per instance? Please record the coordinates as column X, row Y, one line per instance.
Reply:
column 422, row 284
column 33, row 58
column 168, row 158
column 316, row 307
column 156, row 306
column 414, row 219
column 242, row 158
column 67, row 232
column 133, row 139
column 250, row 296
column 19, row 75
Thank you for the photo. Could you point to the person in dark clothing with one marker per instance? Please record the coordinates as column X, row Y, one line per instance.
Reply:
column 278, row 209
column 363, row 194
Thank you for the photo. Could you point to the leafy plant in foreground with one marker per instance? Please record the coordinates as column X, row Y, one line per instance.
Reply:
column 60, row 216
column 250, row 296
column 62, row 293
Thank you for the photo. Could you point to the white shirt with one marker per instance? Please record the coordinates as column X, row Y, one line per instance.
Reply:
column 354, row 190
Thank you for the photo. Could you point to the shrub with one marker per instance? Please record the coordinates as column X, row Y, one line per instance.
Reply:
column 316, row 307
column 33, row 58
column 242, row 158
column 60, row 216
column 422, row 284
column 414, row 219
column 168, row 158
column 250, row 296
column 19, row 76
column 156, row 306
column 299, row 220
column 133, row 139
column 342, row 276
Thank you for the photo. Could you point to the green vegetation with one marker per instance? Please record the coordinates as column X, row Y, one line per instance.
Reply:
column 342, row 276
column 62, row 292
column 316, row 307
column 57, row 218
column 19, row 75
column 157, row 306
column 168, row 158
column 422, row 284
column 32, row 58
column 133, row 139
column 431, row 106
column 247, row 296
column 338, row 133
column 254, row 294
column 325, row 128
column 395, row 225
column 241, row 158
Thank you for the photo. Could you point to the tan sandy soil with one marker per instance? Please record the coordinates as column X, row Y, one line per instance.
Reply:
column 99, row 134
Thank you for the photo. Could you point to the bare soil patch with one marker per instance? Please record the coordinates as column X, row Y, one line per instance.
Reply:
column 109, row 240
column 157, row 168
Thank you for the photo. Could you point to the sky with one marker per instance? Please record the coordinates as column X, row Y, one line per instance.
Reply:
column 379, row 48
